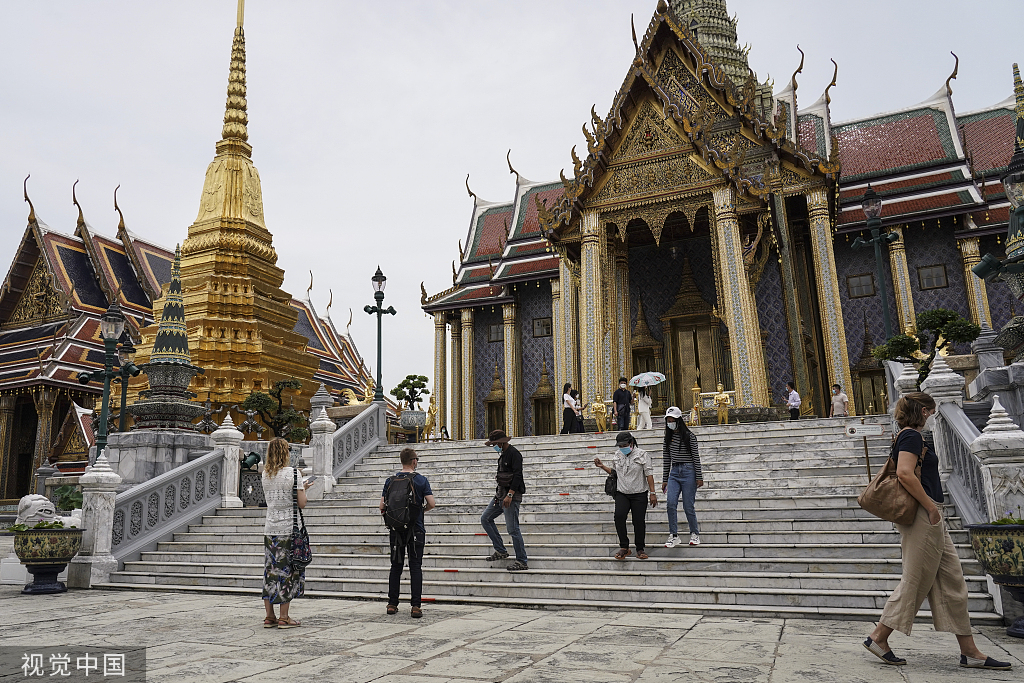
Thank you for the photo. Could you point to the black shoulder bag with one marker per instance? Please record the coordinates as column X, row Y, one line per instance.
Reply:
column 302, row 553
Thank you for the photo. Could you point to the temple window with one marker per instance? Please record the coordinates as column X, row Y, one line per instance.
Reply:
column 236, row 333
column 932, row 277
column 495, row 333
column 860, row 285
column 220, row 382
column 542, row 327
column 238, row 384
column 222, row 332
column 248, row 334
column 257, row 384
column 209, row 331
column 236, row 289
column 216, row 286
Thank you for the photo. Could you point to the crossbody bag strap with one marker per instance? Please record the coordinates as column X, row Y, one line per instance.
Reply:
column 295, row 496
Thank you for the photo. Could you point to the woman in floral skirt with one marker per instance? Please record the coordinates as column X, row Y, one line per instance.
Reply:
column 281, row 584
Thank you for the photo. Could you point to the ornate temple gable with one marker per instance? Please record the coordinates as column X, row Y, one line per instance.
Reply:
column 647, row 135
column 674, row 175
column 40, row 302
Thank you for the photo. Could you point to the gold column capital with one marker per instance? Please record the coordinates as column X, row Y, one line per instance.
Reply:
column 977, row 289
column 817, row 200
column 467, row 317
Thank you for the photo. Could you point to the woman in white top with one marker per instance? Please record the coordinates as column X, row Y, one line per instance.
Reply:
column 568, row 410
column 643, row 408
column 281, row 584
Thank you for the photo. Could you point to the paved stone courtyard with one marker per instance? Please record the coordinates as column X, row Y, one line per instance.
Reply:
column 212, row 638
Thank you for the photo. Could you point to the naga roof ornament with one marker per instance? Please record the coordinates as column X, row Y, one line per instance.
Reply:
column 31, row 209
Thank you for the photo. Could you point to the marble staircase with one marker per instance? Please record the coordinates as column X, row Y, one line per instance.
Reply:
column 781, row 532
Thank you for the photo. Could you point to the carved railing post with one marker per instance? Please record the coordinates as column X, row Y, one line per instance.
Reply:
column 1000, row 448
column 945, row 386
column 94, row 563
column 322, row 443
column 229, row 439
column 905, row 383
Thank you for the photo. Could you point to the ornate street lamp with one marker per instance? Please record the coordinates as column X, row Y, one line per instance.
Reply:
column 872, row 207
column 125, row 354
column 111, row 328
column 379, row 281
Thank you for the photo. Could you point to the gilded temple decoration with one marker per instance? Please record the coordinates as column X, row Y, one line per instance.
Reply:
column 42, row 300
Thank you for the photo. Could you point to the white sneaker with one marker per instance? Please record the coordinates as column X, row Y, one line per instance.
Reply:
column 694, row 539
column 672, row 542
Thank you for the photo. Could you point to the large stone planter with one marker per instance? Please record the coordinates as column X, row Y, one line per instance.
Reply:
column 45, row 553
column 411, row 419
column 1000, row 551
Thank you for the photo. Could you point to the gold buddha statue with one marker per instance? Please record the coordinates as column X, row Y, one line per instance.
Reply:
column 600, row 413
column 428, row 427
column 722, row 402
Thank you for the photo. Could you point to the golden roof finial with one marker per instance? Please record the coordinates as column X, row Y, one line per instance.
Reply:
column 632, row 27
column 956, row 67
column 235, row 116
column 508, row 158
column 799, row 69
column 835, row 72
column 310, row 288
column 120, row 223
column 32, row 209
column 327, row 311
column 1018, row 91
column 471, row 193
column 74, row 200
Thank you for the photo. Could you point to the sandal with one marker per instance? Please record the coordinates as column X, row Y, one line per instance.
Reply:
column 887, row 657
column 623, row 553
column 416, row 613
column 270, row 622
column 641, row 555
column 287, row 622
column 495, row 556
column 392, row 609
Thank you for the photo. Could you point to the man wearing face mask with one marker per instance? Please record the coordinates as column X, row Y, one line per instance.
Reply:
column 623, row 400
column 507, row 496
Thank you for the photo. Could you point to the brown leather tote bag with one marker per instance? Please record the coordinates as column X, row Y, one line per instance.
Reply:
column 885, row 496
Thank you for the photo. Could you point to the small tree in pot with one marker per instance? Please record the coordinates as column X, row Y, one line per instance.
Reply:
column 937, row 330
column 411, row 390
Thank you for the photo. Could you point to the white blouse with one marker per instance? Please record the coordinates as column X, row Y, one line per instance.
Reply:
column 568, row 402
column 644, row 404
column 278, row 491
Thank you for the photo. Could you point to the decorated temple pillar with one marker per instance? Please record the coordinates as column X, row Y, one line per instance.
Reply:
column 513, row 372
column 623, row 327
column 455, row 428
column 592, row 304
column 468, row 395
column 833, row 329
column 558, row 335
column 739, row 312
column 900, row 280
column 44, row 398
column 977, row 293
column 789, row 290
column 567, row 326
column 440, row 369
column 7, row 402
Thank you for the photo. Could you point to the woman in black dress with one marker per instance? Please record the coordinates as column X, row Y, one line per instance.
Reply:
column 568, row 410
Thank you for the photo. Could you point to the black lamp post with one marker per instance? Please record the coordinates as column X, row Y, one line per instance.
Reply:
column 378, row 281
column 125, row 354
column 111, row 327
column 872, row 206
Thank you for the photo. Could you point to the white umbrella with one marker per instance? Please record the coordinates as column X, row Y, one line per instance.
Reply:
column 647, row 379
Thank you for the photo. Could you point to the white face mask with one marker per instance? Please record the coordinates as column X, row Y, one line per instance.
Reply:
column 670, row 425
column 622, row 386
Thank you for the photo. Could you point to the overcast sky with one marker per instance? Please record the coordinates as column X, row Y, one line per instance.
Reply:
column 366, row 116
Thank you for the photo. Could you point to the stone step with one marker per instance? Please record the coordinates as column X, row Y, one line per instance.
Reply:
column 514, row 588
column 631, row 572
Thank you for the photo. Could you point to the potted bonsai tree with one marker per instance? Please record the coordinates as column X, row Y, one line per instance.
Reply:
column 44, row 544
column 937, row 330
column 411, row 391
column 999, row 547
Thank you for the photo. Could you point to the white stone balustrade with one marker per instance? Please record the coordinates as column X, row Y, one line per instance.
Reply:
column 94, row 562
column 229, row 438
column 322, row 444
column 1000, row 448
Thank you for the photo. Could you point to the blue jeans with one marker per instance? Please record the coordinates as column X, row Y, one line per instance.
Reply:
column 511, row 524
column 682, row 479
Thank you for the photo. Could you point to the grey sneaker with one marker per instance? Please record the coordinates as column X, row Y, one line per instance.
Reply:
column 672, row 542
column 694, row 539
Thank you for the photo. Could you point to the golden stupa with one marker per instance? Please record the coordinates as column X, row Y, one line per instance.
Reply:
column 240, row 324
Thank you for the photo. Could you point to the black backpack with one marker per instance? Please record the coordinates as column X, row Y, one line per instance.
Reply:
column 400, row 503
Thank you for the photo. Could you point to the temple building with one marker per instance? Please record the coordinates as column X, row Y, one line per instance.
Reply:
column 706, row 233
column 242, row 328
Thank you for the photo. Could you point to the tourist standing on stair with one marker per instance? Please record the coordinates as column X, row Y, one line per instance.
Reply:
column 281, row 582
column 840, row 402
column 578, row 408
column 681, row 474
column 931, row 566
column 405, row 498
column 792, row 401
column 507, row 497
column 622, row 401
column 568, row 410
column 634, row 482
column 643, row 409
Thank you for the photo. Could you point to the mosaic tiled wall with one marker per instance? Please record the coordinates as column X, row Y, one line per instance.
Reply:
column 485, row 355
column 534, row 302
column 1001, row 301
column 932, row 246
column 861, row 261
column 771, row 313
column 655, row 274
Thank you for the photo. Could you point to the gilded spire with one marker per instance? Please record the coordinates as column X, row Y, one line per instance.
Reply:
column 235, row 116
column 31, row 209
column 171, row 345
column 1018, row 92
column 74, row 200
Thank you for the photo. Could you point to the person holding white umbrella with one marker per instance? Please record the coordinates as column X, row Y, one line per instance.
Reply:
column 642, row 382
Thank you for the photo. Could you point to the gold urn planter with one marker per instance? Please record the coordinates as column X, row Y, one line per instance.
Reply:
column 45, row 553
column 1000, row 551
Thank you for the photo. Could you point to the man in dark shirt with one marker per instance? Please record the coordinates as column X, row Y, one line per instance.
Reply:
column 507, row 496
column 414, row 543
column 623, row 399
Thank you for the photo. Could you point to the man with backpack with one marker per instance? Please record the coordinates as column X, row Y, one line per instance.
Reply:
column 406, row 497
column 507, row 496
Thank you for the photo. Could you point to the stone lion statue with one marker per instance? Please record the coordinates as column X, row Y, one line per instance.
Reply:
column 35, row 508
